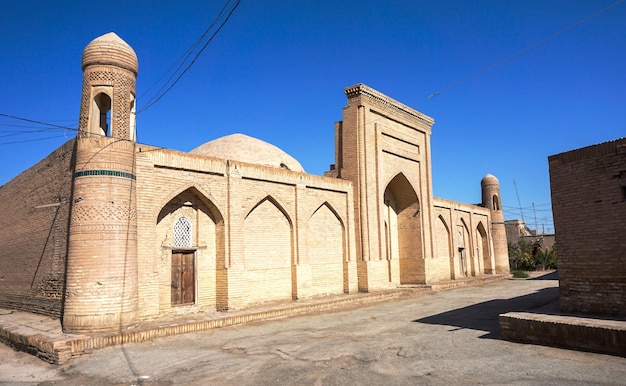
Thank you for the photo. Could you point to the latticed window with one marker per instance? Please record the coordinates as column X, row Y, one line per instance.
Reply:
column 182, row 233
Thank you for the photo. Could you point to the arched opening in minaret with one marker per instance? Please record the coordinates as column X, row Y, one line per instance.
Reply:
column 132, row 120
column 100, row 115
column 496, row 202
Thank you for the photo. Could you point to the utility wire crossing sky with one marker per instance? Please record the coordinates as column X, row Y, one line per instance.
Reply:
column 276, row 71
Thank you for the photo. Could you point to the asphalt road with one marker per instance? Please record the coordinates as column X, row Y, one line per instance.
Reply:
column 448, row 338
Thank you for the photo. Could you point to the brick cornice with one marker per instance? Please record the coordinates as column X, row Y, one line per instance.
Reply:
column 382, row 99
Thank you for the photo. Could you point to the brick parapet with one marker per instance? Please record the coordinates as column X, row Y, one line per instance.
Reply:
column 593, row 151
column 390, row 105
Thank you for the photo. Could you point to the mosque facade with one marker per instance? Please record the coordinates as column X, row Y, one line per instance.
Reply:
column 105, row 232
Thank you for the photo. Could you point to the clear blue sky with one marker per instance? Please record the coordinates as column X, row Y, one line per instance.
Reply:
column 277, row 72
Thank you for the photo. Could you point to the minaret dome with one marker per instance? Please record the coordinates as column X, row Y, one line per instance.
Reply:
column 489, row 179
column 110, row 49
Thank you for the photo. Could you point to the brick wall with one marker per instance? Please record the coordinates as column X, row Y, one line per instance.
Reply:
column 589, row 207
column 34, row 222
column 259, row 233
column 472, row 222
column 383, row 148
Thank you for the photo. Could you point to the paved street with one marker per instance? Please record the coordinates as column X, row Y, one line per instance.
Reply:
column 447, row 338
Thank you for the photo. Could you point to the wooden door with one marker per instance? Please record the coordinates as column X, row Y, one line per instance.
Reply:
column 183, row 278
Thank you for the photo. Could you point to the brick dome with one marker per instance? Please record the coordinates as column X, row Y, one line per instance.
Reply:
column 240, row 147
column 110, row 49
column 489, row 179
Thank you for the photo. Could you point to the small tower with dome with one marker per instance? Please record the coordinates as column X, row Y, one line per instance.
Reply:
column 491, row 199
column 101, row 289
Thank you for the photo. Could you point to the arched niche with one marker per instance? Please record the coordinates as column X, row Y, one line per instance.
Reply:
column 464, row 249
column 326, row 251
column 268, row 252
column 190, row 238
column 403, row 226
column 482, row 248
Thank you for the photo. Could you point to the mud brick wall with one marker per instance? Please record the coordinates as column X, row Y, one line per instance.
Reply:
column 589, row 207
column 33, row 234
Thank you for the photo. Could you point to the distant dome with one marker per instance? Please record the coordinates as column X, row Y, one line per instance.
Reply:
column 489, row 179
column 110, row 49
column 240, row 147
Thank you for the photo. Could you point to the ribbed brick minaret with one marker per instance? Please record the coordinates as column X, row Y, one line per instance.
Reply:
column 491, row 199
column 101, row 280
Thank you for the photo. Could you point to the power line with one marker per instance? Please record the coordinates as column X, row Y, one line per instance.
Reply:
column 526, row 207
column 522, row 52
column 30, row 140
column 156, row 99
column 182, row 59
column 48, row 127
column 16, row 133
column 37, row 122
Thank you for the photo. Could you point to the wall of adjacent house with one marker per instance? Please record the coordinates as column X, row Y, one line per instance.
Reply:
column 589, row 207
column 35, row 208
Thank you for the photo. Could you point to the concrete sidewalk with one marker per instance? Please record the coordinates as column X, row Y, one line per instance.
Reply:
column 43, row 337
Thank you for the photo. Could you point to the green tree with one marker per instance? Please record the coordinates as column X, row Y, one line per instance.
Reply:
column 524, row 256
column 547, row 257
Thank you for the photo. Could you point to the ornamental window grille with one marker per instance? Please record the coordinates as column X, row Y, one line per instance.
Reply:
column 182, row 233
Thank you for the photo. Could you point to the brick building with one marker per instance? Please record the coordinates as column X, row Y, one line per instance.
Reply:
column 589, row 206
column 105, row 232
column 517, row 230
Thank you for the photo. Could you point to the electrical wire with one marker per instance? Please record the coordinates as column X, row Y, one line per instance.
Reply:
column 181, row 61
column 16, row 133
column 519, row 53
column 37, row 122
column 49, row 127
column 156, row 99
column 31, row 140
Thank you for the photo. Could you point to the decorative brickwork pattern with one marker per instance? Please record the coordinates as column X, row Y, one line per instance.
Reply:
column 114, row 173
column 182, row 233
column 123, row 83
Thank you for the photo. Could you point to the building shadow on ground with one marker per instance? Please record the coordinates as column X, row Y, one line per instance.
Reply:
column 484, row 316
column 554, row 275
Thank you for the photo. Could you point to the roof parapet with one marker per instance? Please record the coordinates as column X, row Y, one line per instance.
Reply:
column 364, row 90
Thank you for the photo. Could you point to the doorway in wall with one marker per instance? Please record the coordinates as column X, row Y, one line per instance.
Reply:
column 183, row 278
